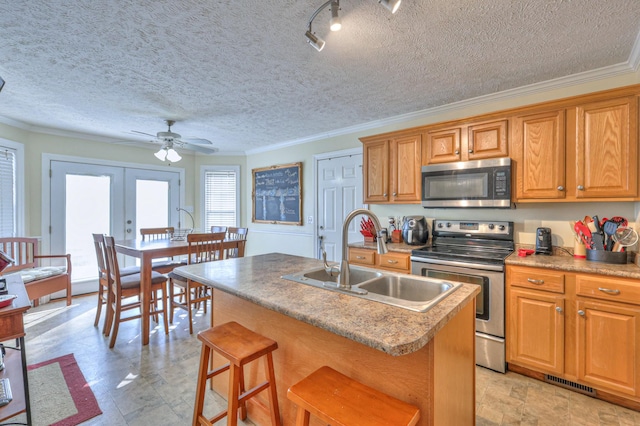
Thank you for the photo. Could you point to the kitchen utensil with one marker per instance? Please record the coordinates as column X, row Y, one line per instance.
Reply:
column 597, row 237
column 584, row 233
column 624, row 237
column 609, row 227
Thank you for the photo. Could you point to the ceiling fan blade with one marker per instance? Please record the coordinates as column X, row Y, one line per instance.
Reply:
column 197, row 141
column 200, row 148
column 143, row 133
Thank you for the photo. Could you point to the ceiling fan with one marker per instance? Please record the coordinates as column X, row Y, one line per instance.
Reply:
column 169, row 140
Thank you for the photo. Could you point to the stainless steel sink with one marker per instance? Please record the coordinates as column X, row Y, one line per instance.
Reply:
column 357, row 276
column 405, row 291
column 408, row 291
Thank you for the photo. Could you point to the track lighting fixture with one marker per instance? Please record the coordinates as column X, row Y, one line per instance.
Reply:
column 335, row 24
column 392, row 5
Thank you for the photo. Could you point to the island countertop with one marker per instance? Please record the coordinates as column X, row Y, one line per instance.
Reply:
column 393, row 330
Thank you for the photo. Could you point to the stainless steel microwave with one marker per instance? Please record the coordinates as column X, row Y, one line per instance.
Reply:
column 482, row 183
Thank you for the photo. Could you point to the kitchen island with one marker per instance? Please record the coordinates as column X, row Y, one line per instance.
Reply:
column 426, row 359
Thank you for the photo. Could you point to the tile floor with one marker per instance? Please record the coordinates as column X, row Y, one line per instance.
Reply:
column 155, row 384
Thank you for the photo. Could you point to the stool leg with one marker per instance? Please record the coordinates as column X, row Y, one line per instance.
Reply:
column 232, row 400
column 302, row 417
column 243, row 404
column 202, row 382
column 273, row 394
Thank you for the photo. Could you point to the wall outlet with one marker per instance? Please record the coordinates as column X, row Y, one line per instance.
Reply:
column 310, row 220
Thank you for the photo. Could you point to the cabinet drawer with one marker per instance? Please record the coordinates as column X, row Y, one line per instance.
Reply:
column 395, row 261
column 614, row 289
column 362, row 256
column 539, row 279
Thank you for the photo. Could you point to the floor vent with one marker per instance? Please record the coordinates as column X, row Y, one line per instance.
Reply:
column 570, row 385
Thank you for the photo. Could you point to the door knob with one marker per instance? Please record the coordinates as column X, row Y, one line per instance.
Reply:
column 580, row 188
column 559, row 309
column 561, row 188
column 581, row 312
column 128, row 230
column 129, row 222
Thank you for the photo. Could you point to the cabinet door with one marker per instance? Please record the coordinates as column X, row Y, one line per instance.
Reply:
column 487, row 140
column 376, row 177
column 608, row 338
column 442, row 146
column 539, row 149
column 406, row 172
column 607, row 149
column 535, row 330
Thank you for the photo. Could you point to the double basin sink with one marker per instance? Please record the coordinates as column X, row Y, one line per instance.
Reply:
column 404, row 291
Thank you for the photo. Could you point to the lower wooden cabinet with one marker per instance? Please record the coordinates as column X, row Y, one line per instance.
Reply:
column 536, row 330
column 584, row 328
column 392, row 261
column 608, row 335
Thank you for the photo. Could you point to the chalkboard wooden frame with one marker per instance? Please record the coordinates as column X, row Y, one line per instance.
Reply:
column 277, row 194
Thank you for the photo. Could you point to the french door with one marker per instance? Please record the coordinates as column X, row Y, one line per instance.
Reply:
column 91, row 198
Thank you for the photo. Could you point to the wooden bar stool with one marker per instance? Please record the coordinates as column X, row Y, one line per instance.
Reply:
column 239, row 346
column 341, row 401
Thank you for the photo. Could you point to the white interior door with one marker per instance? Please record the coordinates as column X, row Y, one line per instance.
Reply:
column 91, row 198
column 339, row 191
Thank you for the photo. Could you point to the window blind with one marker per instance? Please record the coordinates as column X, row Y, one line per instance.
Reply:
column 220, row 198
column 7, row 192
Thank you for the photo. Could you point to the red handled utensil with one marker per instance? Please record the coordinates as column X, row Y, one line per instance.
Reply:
column 584, row 233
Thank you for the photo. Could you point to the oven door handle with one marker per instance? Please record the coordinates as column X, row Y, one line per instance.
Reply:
column 418, row 259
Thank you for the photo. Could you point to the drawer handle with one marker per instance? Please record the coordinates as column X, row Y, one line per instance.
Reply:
column 392, row 261
column 609, row 291
column 360, row 257
column 532, row 281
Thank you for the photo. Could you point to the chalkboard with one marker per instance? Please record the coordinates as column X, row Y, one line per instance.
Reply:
column 277, row 194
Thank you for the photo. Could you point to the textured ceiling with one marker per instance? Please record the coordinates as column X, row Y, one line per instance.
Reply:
column 241, row 74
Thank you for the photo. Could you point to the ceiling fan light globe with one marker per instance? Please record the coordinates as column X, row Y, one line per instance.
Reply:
column 173, row 156
column 161, row 154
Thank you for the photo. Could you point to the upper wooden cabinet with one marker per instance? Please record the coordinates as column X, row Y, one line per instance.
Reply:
column 607, row 149
column 539, row 147
column 392, row 169
column 474, row 141
column 581, row 153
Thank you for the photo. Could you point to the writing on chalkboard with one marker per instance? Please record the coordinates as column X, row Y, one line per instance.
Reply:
column 277, row 194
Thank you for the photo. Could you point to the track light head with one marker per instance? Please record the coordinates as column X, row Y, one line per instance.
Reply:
column 392, row 5
column 316, row 42
column 335, row 24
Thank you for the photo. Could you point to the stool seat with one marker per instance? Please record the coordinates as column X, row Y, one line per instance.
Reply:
column 239, row 346
column 341, row 401
column 236, row 343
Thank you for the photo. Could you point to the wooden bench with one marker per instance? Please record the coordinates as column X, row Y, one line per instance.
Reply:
column 39, row 280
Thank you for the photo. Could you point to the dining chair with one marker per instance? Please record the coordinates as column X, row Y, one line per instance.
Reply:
column 104, row 279
column 128, row 287
column 218, row 229
column 205, row 247
column 234, row 233
column 164, row 266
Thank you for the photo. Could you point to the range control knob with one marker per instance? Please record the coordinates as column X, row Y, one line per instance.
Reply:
column 448, row 224
column 491, row 226
column 501, row 227
column 440, row 225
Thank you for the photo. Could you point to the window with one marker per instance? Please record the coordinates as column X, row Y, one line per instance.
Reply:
column 11, row 178
column 220, row 186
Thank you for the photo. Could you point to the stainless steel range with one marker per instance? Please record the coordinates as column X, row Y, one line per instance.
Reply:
column 473, row 252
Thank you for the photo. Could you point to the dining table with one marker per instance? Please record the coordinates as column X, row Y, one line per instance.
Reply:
column 146, row 251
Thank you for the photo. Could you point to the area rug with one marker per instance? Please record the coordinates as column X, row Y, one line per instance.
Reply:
column 60, row 395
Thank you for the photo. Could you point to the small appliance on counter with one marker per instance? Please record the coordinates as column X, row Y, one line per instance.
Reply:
column 543, row 241
column 415, row 231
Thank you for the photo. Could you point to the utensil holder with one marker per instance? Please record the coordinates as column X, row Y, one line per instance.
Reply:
column 607, row 256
